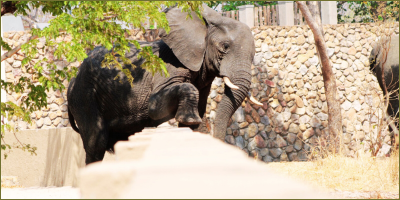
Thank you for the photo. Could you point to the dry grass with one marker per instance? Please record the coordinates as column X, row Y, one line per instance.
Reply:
column 347, row 174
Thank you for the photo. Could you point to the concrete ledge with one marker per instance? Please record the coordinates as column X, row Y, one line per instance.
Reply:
column 179, row 163
column 60, row 154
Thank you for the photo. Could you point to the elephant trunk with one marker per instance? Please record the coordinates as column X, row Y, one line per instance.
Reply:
column 231, row 101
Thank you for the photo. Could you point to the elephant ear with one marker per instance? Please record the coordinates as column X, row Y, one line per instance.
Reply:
column 373, row 58
column 186, row 38
column 211, row 16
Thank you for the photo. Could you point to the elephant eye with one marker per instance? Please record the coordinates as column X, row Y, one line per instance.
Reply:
column 226, row 46
column 223, row 47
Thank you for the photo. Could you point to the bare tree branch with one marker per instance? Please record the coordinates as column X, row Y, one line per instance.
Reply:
column 16, row 49
column 334, row 113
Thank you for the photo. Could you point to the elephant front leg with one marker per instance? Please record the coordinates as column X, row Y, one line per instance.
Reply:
column 205, row 126
column 179, row 99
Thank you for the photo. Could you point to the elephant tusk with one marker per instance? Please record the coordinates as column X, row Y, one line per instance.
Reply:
column 229, row 83
column 253, row 100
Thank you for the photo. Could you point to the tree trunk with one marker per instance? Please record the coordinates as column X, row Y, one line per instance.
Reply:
column 334, row 113
column 316, row 13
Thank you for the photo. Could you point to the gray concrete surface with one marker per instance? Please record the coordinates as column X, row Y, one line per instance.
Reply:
column 172, row 162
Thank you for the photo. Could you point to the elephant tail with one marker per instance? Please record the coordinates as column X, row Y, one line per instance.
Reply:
column 72, row 121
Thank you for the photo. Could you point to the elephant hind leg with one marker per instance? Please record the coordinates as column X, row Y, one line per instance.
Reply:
column 93, row 131
column 179, row 100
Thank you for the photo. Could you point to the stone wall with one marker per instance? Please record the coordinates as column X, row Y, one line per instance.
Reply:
column 55, row 115
column 287, row 79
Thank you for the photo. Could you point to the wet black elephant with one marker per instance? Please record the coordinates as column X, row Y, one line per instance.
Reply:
column 106, row 110
column 384, row 60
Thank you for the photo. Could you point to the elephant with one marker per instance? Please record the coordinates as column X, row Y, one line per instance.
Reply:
column 103, row 110
column 387, row 63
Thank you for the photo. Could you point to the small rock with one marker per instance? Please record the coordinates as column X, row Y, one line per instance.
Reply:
column 269, row 83
column 301, row 40
column 357, row 105
column 289, row 149
column 230, row 139
column 330, row 51
column 293, row 128
column 314, row 60
column 284, row 157
column 298, row 100
column 47, row 121
column 304, row 119
column 274, row 103
column 259, row 141
column 280, row 142
column 265, row 120
column 57, row 121
column 300, row 111
column 303, row 69
column 239, row 115
column 271, row 135
column 268, row 55
column 264, row 152
column 213, row 94
column 251, row 146
column 267, row 158
column 303, row 127
column 243, row 125
column 293, row 156
column 346, row 105
column 52, row 115
column 302, row 156
column 239, row 142
column 275, row 152
column 291, row 138
column 278, row 119
column 322, row 116
column 286, row 115
column 315, row 122
column 253, row 129
column 298, row 144
column 308, row 133
column 257, row 59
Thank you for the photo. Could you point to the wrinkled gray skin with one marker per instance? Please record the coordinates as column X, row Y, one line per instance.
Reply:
column 390, row 70
column 106, row 110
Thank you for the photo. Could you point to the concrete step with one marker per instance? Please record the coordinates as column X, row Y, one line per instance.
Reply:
column 168, row 162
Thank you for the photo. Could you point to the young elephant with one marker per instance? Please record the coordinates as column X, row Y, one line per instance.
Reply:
column 383, row 59
column 106, row 110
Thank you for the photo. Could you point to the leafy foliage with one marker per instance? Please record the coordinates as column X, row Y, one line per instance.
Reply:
column 87, row 24
column 233, row 5
column 368, row 11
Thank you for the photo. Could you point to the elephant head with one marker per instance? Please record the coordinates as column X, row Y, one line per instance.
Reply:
column 384, row 63
column 222, row 46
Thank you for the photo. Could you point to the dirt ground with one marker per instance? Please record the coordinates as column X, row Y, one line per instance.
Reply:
column 350, row 178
